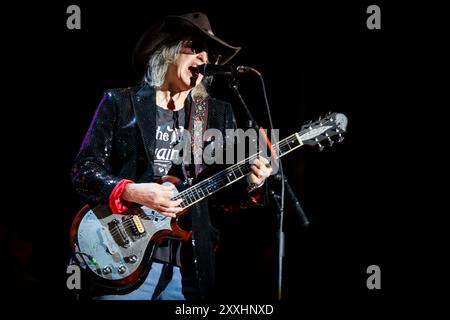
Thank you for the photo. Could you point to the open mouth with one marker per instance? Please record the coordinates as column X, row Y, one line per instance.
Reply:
column 194, row 71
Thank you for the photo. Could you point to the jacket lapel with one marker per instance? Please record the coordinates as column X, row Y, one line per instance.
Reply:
column 144, row 108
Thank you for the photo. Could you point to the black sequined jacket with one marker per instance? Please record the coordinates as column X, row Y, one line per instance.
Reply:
column 120, row 142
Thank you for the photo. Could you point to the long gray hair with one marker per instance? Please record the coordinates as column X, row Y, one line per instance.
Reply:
column 159, row 62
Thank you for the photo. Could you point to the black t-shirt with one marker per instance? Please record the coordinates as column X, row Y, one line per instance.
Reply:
column 169, row 131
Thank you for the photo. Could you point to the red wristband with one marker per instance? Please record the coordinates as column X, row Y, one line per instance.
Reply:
column 116, row 204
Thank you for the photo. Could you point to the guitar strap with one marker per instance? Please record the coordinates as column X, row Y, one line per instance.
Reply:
column 198, row 122
column 202, row 234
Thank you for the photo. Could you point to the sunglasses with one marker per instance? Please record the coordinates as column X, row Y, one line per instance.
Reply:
column 193, row 47
column 196, row 47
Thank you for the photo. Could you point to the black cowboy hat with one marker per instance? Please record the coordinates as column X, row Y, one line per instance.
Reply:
column 173, row 28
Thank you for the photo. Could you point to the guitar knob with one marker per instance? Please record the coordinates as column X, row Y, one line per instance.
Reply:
column 107, row 270
column 122, row 269
column 131, row 259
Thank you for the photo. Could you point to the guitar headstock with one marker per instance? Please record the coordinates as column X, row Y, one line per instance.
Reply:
column 332, row 125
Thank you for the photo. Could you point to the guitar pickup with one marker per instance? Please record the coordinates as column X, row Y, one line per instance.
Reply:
column 134, row 225
column 118, row 233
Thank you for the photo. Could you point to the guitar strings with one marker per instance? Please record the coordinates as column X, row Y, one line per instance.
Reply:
column 214, row 181
column 193, row 191
column 222, row 174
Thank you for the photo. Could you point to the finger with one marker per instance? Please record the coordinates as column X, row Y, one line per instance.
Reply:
column 262, row 165
column 167, row 203
column 254, row 179
column 265, row 162
column 257, row 166
column 164, row 211
column 175, row 210
column 257, row 170
column 266, row 170
column 175, row 203
column 168, row 213
column 258, row 173
column 266, row 173
column 256, row 162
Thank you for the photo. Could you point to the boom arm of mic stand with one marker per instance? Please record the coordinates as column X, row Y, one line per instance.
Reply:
column 232, row 83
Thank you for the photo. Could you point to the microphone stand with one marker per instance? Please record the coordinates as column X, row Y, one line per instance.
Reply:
column 232, row 83
column 278, row 200
column 293, row 200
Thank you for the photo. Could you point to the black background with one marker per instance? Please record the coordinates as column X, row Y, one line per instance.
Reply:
column 315, row 57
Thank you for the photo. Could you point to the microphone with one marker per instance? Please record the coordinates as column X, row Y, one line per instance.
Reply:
column 213, row 69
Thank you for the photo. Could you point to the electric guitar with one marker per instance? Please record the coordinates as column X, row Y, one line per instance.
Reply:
column 116, row 249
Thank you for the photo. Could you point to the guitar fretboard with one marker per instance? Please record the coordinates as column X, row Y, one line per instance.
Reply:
column 233, row 173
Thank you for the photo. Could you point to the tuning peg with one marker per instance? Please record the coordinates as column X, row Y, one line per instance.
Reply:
column 321, row 147
column 341, row 137
column 330, row 141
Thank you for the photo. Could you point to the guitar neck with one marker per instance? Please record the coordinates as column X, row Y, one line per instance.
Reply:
column 232, row 174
